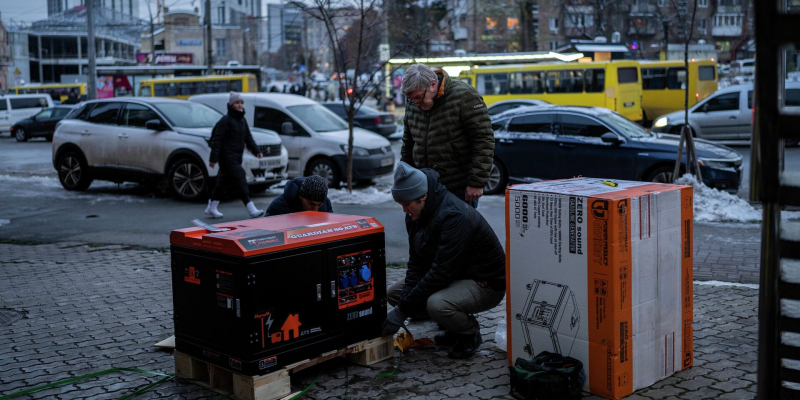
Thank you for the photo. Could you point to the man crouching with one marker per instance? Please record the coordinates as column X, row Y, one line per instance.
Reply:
column 456, row 266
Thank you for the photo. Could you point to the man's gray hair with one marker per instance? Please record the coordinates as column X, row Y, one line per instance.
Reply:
column 418, row 76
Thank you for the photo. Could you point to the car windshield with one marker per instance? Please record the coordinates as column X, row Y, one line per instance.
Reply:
column 626, row 126
column 318, row 118
column 189, row 115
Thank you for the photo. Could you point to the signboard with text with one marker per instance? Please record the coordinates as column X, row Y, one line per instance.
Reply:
column 165, row 58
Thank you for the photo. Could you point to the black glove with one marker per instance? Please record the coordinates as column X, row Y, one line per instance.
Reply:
column 394, row 321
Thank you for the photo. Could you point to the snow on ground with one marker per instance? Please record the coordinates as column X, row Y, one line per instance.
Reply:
column 44, row 186
column 727, row 284
column 4, row 222
column 712, row 205
column 370, row 195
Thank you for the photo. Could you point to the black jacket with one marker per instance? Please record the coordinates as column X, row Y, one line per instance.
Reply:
column 229, row 138
column 450, row 241
column 289, row 201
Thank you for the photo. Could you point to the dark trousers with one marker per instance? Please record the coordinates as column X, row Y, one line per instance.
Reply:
column 231, row 177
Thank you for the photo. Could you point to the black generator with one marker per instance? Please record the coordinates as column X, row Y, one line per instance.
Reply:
column 268, row 292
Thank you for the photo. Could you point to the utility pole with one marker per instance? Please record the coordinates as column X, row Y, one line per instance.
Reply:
column 209, row 50
column 91, row 81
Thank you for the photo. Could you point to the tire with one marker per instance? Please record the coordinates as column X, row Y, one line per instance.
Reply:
column 188, row 180
column 21, row 135
column 73, row 172
column 326, row 169
column 661, row 174
column 498, row 179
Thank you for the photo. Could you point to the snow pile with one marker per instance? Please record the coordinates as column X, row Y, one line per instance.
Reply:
column 4, row 222
column 370, row 195
column 712, row 205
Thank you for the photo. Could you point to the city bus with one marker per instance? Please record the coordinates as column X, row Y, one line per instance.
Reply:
column 61, row 90
column 664, row 85
column 184, row 87
column 615, row 85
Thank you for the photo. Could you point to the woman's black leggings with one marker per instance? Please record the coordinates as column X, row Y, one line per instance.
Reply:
column 231, row 176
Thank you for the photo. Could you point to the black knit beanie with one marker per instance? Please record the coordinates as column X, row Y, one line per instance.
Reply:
column 314, row 188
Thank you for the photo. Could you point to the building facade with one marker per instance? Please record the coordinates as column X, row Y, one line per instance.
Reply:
column 124, row 7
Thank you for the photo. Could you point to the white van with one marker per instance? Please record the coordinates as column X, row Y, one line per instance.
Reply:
column 16, row 107
column 315, row 137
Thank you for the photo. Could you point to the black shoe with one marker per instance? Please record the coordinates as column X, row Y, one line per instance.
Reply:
column 421, row 317
column 466, row 346
column 446, row 339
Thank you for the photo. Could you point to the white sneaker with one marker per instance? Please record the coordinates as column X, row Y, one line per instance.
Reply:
column 254, row 212
column 212, row 209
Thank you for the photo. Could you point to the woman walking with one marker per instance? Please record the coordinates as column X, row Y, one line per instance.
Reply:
column 228, row 140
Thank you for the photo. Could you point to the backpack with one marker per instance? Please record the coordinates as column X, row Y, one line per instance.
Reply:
column 547, row 376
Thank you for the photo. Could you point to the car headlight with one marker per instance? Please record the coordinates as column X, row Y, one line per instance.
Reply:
column 357, row 151
column 715, row 164
column 660, row 123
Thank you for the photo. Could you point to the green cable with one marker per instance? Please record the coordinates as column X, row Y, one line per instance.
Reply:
column 297, row 396
column 87, row 376
column 144, row 389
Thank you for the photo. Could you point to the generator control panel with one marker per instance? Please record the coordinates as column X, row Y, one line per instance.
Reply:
column 355, row 284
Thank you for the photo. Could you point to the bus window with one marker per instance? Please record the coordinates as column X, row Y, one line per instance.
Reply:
column 172, row 89
column 654, row 78
column 553, row 84
column 186, row 88
column 525, row 83
column 489, row 84
column 144, row 91
column 676, row 78
column 236, row 85
column 468, row 81
column 160, row 89
column 595, row 80
column 627, row 75
column 576, row 80
column 706, row 73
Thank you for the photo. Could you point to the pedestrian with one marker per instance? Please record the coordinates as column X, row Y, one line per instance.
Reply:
column 456, row 266
column 72, row 98
column 302, row 194
column 228, row 140
column 448, row 129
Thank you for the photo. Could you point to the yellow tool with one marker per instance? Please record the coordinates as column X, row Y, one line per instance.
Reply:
column 611, row 183
column 405, row 340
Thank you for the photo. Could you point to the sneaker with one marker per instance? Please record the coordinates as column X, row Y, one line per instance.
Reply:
column 446, row 339
column 466, row 346
column 212, row 211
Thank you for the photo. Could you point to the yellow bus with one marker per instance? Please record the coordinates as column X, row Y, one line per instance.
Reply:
column 664, row 83
column 615, row 85
column 184, row 87
column 61, row 90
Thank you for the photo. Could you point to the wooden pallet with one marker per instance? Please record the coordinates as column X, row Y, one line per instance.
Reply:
column 275, row 385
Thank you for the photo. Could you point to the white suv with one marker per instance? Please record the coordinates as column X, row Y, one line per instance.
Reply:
column 153, row 140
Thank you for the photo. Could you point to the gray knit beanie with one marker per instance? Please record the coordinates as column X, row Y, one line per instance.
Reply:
column 314, row 188
column 409, row 183
column 235, row 97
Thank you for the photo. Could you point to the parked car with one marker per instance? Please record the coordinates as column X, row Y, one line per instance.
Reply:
column 150, row 140
column 725, row 115
column 42, row 124
column 505, row 105
column 315, row 137
column 380, row 122
column 16, row 107
column 556, row 142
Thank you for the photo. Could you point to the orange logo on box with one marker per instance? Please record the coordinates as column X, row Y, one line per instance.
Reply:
column 192, row 276
column 289, row 329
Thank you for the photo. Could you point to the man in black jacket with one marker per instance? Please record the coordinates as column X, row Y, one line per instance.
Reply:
column 302, row 194
column 456, row 266
column 228, row 140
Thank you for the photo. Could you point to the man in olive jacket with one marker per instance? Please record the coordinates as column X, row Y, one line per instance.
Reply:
column 447, row 129
column 456, row 265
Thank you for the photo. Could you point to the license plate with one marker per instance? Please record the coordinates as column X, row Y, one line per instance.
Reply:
column 630, row 104
column 387, row 162
column 269, row 163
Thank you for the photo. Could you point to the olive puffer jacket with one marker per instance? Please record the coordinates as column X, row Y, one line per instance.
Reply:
column 229, row 137
column 454, row 138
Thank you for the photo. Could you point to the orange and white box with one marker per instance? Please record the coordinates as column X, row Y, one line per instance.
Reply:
column 601, row 271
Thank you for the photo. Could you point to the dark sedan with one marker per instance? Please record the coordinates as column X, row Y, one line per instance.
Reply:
column 42, row 124
column 367, row 118
column 556, row 142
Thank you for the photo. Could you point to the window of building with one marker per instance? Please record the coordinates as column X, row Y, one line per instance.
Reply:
column 536, row 27
column 462, row 21
column 553, row 45
column 663, row 3
column 222, row 47
column 702, row 3
column 221, row 13
column 702, row 26
column 491, row 23
column 512, row 23
column 553, row 25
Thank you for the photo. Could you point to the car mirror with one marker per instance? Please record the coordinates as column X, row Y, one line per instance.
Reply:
column 287, row 129
column 154, row 125
column 609, row 137
column 704, row 108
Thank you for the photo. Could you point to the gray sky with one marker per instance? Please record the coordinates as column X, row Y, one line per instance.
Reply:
column 34, row 10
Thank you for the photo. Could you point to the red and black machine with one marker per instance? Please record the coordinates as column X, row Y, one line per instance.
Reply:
column 273, row 291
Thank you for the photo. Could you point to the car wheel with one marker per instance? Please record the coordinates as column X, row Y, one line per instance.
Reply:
column 498, row 179
column 326, row 169
column 188, row 180
column 73, row 172
column 21, row 135
column 661, row 175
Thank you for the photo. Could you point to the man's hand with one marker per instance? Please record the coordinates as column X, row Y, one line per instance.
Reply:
column 473, row 194
column 259, row 155
column 394, row 321
column 212, row 164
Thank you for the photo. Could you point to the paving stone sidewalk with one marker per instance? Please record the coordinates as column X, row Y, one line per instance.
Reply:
column 86, row 309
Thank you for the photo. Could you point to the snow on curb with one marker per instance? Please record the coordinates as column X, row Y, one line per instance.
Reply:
column 728, row 284
column 370, row 195
column 4, row 222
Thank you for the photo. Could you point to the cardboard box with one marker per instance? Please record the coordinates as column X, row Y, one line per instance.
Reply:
column 601, row 273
